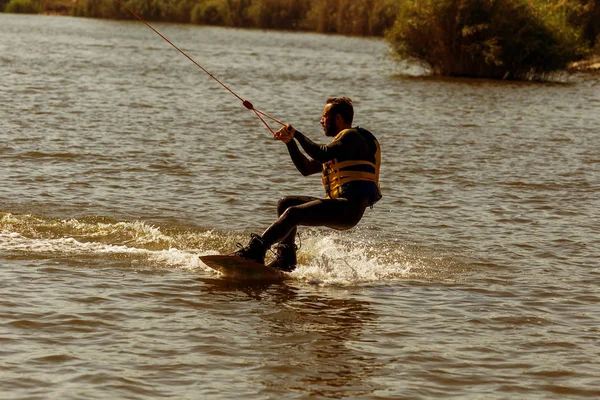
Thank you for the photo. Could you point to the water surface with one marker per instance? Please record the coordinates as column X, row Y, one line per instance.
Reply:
column 476, row 276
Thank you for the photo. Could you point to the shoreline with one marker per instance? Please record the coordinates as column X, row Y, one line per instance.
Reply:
column 590, row 64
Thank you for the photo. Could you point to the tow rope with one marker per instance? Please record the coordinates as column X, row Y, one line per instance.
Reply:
column 246, row 103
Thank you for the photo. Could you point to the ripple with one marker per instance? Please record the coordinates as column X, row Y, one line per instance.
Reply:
column 474, row 276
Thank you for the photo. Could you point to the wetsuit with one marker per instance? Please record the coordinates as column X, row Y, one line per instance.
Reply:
column 344, row 207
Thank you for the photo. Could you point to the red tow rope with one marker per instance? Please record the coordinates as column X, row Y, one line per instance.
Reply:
column 246, row 103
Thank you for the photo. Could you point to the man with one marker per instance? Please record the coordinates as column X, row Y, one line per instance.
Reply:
column 350, row 172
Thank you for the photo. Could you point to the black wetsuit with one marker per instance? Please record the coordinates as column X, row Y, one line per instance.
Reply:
column 340, row 213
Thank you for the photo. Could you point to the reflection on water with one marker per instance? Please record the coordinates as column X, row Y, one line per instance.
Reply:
column 309, row 343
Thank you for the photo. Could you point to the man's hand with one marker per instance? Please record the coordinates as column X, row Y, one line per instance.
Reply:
column 285, row 134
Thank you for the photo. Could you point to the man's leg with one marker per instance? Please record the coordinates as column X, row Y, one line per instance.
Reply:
column 309, row 211
column 283, row 205
column 258, row 246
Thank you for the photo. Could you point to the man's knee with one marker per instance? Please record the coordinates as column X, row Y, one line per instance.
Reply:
column 284, row 203
column 292, row 215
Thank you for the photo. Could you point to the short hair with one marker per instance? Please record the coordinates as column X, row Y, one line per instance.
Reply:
column 343, row 107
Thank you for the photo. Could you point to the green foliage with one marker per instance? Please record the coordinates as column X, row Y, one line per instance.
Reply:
column 587, row 16
column 208, row 12
column 382, row 16
column 23, row 7
column 3, row 4
column 153, row 10
column 163, row 10
column 98, row 9
column 275, row 14
column 592, row 30
column 351, row 17
column 235, row 13
column 322, row 16
column 57, row 6
column 480, row 38
column 487, row 38
column 222, row 12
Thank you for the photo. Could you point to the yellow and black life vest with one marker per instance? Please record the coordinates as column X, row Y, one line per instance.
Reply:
column 354, row 176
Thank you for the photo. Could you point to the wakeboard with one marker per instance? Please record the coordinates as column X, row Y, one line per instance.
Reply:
column 239, row 268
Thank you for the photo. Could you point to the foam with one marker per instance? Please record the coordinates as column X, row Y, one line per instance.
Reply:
column 71, row 247
column 335, row 259
column 325, row 257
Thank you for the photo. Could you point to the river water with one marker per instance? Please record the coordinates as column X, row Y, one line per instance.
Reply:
column 476, row 276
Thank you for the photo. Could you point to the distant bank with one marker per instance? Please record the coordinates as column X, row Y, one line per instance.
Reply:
column 501, row 39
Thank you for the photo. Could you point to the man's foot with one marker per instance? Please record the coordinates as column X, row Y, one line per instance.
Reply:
column 285, row 258
column 255, row 251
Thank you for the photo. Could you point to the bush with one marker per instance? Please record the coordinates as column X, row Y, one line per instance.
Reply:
column 208, row 12
column 277, row 14
column 222, row 12
column 382, row 16
column 236, row 13
column 587, row 16
column 486, row 38
column 173, row 11
column 23, row 7
column 99, row 9
column 179, row 11
column 3, row 4
column 351, row 17
column 592, row 30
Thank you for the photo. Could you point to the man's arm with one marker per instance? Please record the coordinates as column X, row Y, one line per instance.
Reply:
column 303, row 164
column 319, row 154
column 323, row 153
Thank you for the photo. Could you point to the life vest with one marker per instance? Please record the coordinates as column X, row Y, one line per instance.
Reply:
column 357, row 176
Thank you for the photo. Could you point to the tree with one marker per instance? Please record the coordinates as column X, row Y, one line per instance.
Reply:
column 500, row 39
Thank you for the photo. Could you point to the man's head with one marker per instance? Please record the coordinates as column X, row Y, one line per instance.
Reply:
column 337, row 115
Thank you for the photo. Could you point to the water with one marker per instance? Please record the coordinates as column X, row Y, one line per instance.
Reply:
column 476, row 276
